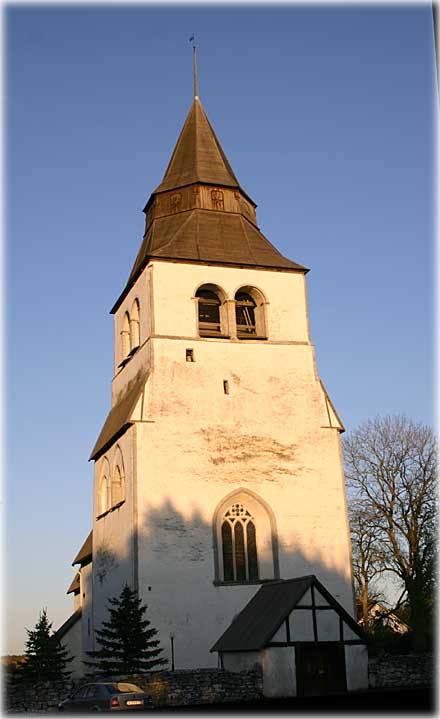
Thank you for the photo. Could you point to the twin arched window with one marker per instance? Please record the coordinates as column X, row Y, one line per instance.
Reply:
column 111, row 490
column 250, row 319
column 130, row 332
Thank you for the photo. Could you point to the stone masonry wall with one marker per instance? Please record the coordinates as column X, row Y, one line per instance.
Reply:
column 166, row 688
column 201, row 686
column 401, row 671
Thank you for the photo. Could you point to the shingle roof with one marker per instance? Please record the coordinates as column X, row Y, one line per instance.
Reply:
column 85, row 554
column 118, row 419
column 258, row 621
column 199, row 235
column 198, row 155
column 207, row 236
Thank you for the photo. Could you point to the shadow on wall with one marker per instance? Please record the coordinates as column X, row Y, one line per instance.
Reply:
column 185, row 592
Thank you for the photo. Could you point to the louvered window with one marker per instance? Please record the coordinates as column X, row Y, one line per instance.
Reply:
column 209, row 312
column 245, row 314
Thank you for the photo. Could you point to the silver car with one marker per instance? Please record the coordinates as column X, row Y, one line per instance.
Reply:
column 106, row 696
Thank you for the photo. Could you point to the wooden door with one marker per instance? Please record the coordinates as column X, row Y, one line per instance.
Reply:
column 320, row 669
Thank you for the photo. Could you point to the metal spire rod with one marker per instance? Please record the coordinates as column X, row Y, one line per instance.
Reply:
column 196, row 85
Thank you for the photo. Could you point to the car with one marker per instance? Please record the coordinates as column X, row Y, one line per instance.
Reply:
column 106, row 696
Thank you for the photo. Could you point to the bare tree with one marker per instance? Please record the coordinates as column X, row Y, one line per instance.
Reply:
column 391, row 471
column 366, row 557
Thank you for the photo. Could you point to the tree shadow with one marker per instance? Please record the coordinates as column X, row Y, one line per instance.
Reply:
column 176, row 578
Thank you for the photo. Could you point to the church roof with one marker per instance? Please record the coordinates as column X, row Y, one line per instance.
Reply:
column 208, row 236
column 198, row 234
column 84, row 555
column 118, row 419
column 262, row 616
column 198, row 155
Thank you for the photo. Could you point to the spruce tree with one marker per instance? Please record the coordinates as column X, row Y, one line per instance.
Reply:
column 126, row 639
column 46, row 658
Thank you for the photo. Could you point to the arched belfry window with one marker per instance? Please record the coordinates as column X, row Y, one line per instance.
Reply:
column 245, row 539
column 211, row 318
column 250, row 313
column 245, row 314
column 239, row 545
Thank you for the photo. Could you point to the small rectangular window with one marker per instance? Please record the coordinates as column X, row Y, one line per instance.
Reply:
column 226, row 386
column 190, row 355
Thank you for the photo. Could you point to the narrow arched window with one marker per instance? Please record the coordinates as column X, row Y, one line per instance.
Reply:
column 117, row 486
column 125, row 336
column 209, row 312
column 103, row 495
column 245, row 314
column 134, row 326
column 239, row 545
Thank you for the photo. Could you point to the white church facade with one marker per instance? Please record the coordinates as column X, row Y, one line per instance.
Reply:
column 218, row 472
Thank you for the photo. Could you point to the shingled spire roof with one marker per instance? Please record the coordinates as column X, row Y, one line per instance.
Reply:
column 198, row 155
column 200, row 213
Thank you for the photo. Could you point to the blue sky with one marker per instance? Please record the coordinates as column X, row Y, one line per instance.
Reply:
column 326, row 114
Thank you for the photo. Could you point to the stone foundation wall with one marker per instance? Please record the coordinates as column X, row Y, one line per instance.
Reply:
column 407, row 670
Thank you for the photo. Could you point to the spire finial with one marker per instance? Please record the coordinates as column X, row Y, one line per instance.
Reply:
column 196, row 85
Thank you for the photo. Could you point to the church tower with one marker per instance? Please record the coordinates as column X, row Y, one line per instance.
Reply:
column 218, row 468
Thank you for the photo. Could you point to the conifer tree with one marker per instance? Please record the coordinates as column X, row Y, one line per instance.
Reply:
column 126, row 640
column 46, row 658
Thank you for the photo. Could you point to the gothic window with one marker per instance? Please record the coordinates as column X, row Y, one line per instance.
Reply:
column 103, row 495
column 245, row 539
column 117, row 486
column 104, row 489
column 125, row 336
column 134, row 326
column 209, row 311
column 118, row 478
column 239, row 545
column 250, row 313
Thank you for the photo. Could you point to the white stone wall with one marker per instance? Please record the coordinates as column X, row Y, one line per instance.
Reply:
column 113, row 540
column 73, row 642
column 193, row 445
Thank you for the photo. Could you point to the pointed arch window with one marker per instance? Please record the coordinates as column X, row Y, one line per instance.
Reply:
column 104, row 495
column 117, row 486
column 239, row 545
column 134, row 326
column 125, row 336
